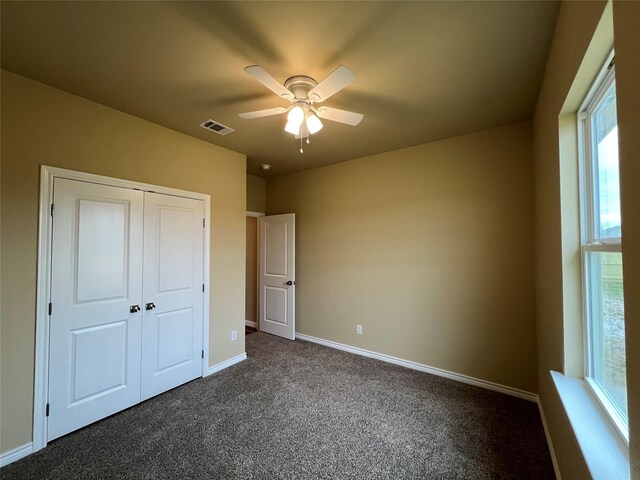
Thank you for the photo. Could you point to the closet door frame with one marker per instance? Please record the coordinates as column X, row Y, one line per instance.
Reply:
column 43, row 292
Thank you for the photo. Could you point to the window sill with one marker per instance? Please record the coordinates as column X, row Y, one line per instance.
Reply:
column 604, row 451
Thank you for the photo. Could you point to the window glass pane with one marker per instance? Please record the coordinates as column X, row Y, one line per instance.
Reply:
column 606, row 329
column 607, row 177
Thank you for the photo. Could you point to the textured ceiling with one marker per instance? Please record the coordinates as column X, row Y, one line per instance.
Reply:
column 425, row 70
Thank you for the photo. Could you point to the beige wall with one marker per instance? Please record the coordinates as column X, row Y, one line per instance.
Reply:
column 577, row 33
column 42, row 125
column 251, row 289
column 626, row 24
column 256, row 194
column 430, row 248
column 575, row 26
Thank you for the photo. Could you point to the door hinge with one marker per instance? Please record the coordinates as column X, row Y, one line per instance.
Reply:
column 50, row 308
column 203, row 223
column 203, row 288
column 202, row 353
column 53, row 207
column 46, row 413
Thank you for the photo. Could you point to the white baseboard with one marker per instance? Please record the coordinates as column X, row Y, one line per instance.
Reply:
column 552, row 451
column 249, row 323
column 515, row 392
column 227, row 363
column 16, row 454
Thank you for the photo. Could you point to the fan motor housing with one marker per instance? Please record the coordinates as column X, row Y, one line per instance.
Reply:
column 300, row 85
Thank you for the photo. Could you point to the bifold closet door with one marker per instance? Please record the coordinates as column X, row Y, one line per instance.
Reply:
column 95, row 334
column 172, row 323
column 126, row 300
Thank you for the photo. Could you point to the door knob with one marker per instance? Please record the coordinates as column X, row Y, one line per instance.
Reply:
column 150, row 306
column 134, row 308
column 291, row 283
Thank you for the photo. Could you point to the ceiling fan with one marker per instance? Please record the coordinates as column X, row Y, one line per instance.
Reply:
column 304, row 94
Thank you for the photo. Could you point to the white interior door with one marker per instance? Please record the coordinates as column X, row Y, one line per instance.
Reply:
column 173, row 292
column 94, row 363
column 277, row 275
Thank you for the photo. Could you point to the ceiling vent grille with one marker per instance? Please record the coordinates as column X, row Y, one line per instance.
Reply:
column 216, row 127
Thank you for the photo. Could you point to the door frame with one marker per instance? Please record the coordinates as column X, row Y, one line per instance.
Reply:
column 43, row 289
column 256, row 215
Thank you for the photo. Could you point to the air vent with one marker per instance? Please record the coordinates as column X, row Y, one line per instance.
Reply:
column 216, row 127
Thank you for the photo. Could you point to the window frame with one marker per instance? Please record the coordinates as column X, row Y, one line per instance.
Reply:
column 590, row 242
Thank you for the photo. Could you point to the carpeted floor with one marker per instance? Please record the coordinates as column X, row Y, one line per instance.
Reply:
column 297, row 410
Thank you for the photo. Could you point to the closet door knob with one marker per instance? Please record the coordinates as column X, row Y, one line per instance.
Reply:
column 134, row 308
column 150, row 306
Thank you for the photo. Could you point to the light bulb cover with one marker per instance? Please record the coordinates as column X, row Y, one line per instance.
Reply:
column 313, row 123
column 292, row 127
column 296, row 115
column 304, row 131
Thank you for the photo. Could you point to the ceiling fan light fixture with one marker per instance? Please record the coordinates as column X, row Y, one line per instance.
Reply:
column 296, row 115
column 303, row 92
column 292, row 127
column 313, row 123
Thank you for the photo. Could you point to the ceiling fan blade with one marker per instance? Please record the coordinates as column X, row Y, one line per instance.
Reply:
column 342, row 116
column 335, row 81
column 261, row 75
column 262, row 113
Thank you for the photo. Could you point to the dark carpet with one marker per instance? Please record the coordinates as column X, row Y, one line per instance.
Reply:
column 297, row 410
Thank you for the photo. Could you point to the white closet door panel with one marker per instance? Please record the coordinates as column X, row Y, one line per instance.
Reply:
column 94, row 367
column 173, row 276
column 102, row 253
column 101, row 348
column 276, row 245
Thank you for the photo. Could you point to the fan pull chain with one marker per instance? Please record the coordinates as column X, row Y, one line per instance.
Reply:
column 308, row 142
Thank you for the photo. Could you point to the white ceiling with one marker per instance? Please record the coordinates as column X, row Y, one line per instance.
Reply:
column 425, row 70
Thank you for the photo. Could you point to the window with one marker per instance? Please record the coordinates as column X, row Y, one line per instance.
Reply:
column 601, row 248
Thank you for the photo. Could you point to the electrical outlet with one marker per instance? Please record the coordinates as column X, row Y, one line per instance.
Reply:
column 234, row 335
column 359, row 329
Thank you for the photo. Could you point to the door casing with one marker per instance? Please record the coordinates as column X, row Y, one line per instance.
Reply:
column 256, row 321
column 43, row 291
